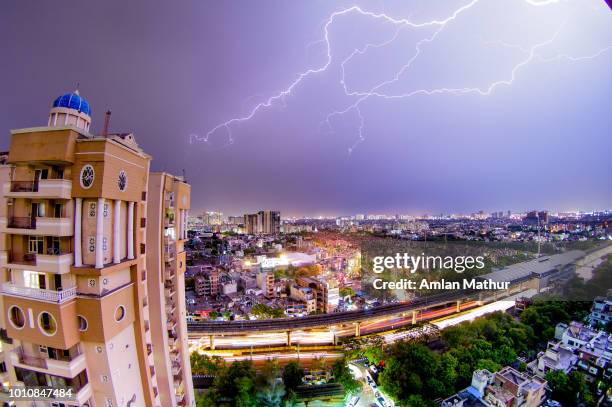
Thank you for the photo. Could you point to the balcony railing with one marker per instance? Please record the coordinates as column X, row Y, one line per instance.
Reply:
column 24, row 186
column 22, row 222
column 44, row 188
column 28, row 360
column 59, row 296
column 55, row 261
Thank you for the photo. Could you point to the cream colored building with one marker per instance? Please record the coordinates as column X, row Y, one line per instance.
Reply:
column 168, row 204
column 75, row 296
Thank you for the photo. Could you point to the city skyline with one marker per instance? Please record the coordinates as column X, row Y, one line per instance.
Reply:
column 172, row 74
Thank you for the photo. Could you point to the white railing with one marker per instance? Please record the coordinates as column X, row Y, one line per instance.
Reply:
column 39, row 293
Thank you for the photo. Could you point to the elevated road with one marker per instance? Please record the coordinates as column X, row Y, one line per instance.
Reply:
column 325, row 320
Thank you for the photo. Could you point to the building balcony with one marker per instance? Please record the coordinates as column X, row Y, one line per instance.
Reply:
column 170, row 308
column 169, row 274
column 58, row 297
column 170, row 323
column 36, row 226
column 84, row 394
column 41, row 189
column 61, row 366
column 169, row 254
column 169, row 291
column 51, row 263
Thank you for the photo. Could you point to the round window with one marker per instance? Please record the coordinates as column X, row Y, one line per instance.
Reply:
column 47, row 323
column 17, row 317
column 122, row 181
column 119, row 313
column 82, row 323
column 87, row 176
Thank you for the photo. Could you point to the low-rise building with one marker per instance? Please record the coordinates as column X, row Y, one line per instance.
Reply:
column 207, row 283
column 305, row 295
column 515, row 389
column 557, row 356
column 265, row 281
column 601, row 312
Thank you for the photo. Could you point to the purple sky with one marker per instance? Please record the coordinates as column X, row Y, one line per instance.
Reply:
column 540, row 139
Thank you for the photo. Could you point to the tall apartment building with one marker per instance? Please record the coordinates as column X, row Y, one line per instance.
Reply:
column 251, row 226
column 75, row 298
column 168, row 203
column 263, row 222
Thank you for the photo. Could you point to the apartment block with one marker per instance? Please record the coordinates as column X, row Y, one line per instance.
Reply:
column 74, row 285
column 167, row 205
column 262, row 222
column 265, row 281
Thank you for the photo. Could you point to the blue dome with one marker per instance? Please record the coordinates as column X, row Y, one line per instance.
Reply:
column 73, row 101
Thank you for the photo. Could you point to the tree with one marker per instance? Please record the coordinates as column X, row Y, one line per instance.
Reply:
column 416, row 400
column 343, row 375
column 557, row 380
column 270, row 389
column 206, row 365
column 292, row 375
column 236, row 384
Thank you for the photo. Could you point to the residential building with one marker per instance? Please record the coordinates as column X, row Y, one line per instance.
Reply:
column 601, row 312
column 265, row 281
column 557, row 356
column 262, row 223
column 326, row 293
column 251, row 226
column 304, row 295
column 472, row 395
column 207, row 283
column 168, row 202
column 76, row 296
column 512, row 388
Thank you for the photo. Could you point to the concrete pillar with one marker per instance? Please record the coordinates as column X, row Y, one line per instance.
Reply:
column 182, row 224
column 117, row 232
column 185, row 211
column 100, row 233
column 458, row 306
column 78, row 254
column 130, row 231
column 211, row 338
column 414, row 317
column 288, row 338
column 357, row 329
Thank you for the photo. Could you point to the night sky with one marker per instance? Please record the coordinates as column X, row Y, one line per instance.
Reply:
column 504, row 105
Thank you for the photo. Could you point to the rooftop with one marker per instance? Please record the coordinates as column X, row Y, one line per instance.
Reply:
column 539, row 266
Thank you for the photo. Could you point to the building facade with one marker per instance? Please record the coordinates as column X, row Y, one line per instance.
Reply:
column 73, row 246
column 262, row 223
column 168, row 203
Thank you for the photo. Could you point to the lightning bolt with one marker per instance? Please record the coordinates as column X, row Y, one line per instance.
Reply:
column 531, row 55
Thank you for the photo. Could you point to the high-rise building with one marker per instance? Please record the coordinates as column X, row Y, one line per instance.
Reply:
column 263, row 222
column 168, row 203
column 76, row 295
column 250, row 224
column 212, row 218
column 270, row 221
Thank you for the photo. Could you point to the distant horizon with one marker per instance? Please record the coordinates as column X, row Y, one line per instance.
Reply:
column 194, row 213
